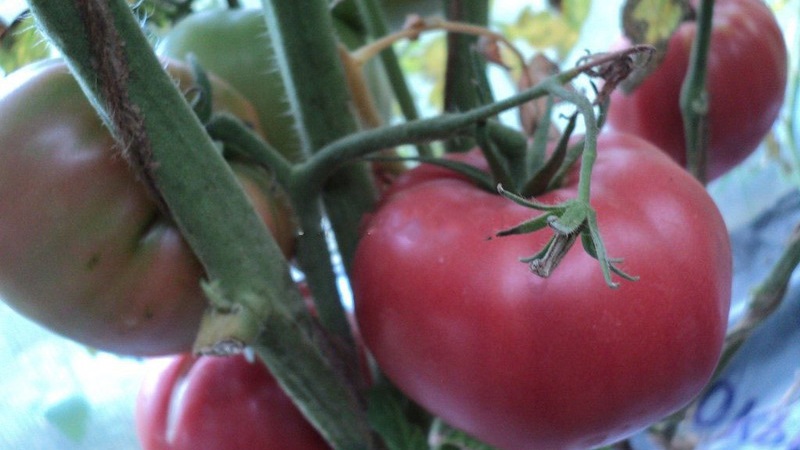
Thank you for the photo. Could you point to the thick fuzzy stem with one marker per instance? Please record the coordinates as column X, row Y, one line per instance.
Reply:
column 249, row 280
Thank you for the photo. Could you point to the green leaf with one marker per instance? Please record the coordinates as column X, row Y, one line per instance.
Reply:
column 21, row 44
column 70, row 416
column 386, row 414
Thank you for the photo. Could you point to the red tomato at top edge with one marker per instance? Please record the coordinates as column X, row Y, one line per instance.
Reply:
column 747, row 71
column 522, row 362
column 218, row 403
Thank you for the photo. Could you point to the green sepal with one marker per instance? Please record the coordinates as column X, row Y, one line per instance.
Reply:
column 588, row 246
column 537, row 149
column 529, row 226
column 512, row 144
column 541, row 253
column 574, row 152
column 497, row 163
column 572, row 219
column 202, row 103
column 529, row 203
column 543, row 178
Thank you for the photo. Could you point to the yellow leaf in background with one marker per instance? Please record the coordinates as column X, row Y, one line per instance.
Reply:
column 426, row 59
column 652, row 21
column 551, row 29
column 575, row 12
column 434, row 58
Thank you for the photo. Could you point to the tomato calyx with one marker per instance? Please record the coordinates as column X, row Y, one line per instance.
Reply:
column 569, row 221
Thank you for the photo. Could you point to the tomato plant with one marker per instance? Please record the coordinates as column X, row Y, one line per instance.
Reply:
column 241, row 53
column 83, row 248
column 218, row 403
column 747, row 72
column 523, row 362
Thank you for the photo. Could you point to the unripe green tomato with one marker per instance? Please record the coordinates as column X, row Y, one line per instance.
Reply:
column 234, row 44
column 84, row 250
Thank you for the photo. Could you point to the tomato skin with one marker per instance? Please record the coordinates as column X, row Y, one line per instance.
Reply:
column 747, row 74
column 83, row 250
column 221, row 403
column 565, row 362
column 240, row 52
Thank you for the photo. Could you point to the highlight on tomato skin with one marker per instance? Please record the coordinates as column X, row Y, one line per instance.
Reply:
column 523, row 362
column 221, row 403
column 746, row 81
column 84, row 251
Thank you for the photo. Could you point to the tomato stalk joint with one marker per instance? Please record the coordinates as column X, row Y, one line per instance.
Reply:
column 568, row 220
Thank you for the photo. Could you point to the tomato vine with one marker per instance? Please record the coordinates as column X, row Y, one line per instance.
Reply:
column 254, row 300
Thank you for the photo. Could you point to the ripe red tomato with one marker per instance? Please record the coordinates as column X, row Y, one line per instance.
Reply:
column 223, row 403
column 565, row 362
column 747, row 71
column 83, row 250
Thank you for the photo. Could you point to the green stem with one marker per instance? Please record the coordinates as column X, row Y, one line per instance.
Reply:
column 321, row 107
column 312, row 246
column 249, row 281
column 589, row 141
column 375, row 22
column 310, row 97
column 766, row 298
column 694, row 95
column 460, row 93
column 497, row 163
column 306, row 203
column 247, row 144
column 350, row 148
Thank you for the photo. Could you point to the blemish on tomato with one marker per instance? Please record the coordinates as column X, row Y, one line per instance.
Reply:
column 93, row 261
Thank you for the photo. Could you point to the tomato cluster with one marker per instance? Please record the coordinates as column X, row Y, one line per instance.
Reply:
column 445, row 308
